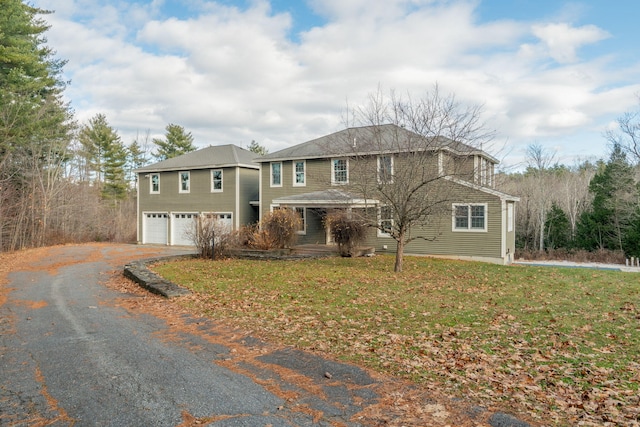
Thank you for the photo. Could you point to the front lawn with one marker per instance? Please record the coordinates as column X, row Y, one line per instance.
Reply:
column 560, row 345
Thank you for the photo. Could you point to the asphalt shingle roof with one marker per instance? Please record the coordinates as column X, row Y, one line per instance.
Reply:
column 387, row 138
column 214, row 156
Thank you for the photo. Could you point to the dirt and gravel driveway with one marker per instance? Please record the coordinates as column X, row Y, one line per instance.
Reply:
column 81, row 345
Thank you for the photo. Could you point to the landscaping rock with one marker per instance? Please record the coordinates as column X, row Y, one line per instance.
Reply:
column 500, row 419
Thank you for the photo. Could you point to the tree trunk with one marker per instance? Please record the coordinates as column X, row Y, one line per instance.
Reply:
column 399, row 254
column 542, row 221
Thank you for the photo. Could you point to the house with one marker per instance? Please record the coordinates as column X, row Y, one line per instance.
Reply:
column 348, row 169
column 217, row 181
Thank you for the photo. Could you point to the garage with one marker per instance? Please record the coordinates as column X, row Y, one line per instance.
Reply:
column 182, row 228
column 154, row 228
column 225, row 221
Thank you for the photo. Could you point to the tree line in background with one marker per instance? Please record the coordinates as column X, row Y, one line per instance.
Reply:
column 61, row 181
column 593, row 207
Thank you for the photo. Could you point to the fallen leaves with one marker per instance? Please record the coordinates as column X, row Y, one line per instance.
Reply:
column 559, row 346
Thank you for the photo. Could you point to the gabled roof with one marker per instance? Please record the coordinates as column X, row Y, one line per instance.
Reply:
column 380, row 139
column 214, row 156
column 492, row 191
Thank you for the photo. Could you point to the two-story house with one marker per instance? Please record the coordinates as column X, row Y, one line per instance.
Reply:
column 349, row 169
column 218, row 181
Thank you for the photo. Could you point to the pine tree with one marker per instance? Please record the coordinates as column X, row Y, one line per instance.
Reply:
column 115, row 183
column 177, row 142
column 136, row 158
column 30, row 81
column 255, row 147
column 105, row 157
column 35, row 126
column 558, row 228
column 614, row 206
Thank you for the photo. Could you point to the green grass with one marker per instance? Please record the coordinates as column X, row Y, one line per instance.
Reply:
column 560, row 342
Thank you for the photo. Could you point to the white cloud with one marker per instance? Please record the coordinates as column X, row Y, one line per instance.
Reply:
column 562, row 41
column 231, row 75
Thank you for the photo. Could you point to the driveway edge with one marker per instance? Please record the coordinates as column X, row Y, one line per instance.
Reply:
column 139, row 273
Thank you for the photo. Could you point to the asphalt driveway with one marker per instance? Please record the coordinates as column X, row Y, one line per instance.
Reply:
column 76, row 352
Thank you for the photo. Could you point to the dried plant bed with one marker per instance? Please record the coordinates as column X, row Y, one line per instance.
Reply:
column 559, row 345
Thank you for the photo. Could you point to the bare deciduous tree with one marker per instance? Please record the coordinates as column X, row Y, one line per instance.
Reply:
column 627, row 135
column 405, row 153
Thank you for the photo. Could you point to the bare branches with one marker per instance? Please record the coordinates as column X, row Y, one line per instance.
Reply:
column 628, row 134
column 405, row 153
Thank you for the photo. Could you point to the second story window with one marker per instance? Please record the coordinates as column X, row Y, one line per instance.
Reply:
column 276, row 174
column 155, row 184
column 216, row 180
column 385, row 169
column 299, row 178
column 185, row 184
column 339, row 171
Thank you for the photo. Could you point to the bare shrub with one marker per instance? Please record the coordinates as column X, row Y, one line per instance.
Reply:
column 603, row 255
column 278, row 230
column 211, row 237
column 347, row 230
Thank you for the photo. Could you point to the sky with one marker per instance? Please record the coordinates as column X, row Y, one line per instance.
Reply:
column 552, row 73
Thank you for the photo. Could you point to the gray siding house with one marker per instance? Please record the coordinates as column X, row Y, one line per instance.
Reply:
column 217, row 181
column 318, row 176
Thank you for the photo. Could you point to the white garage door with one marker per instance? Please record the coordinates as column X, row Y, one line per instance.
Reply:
column 226, row 222
column 154, row 228
column 183, row 227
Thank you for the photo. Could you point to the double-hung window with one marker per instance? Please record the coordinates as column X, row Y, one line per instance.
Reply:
column 339, row 171
column 185, row 184
column 469, row 217
column 299, row 172
column 385, row 221
column 216, row 180
column 155, row 183
column 276, row 174
column 385, row 169
column 302, row 229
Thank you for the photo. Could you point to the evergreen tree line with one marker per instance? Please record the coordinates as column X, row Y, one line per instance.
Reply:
column 593, row 206
column 60, row 181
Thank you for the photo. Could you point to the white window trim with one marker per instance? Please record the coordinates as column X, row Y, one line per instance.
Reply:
column 180, row 190
column 392, row 169
column 304, row 173
column 271, row 174
column 381, row 233
column 151, row 183
column 469, row 229
column 214, row 190
column 333, row 172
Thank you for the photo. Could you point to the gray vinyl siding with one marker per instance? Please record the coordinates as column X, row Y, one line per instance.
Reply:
column 200, row 197
column 318, row 177
column 249, row 183
column 485, row 244
column 448, row 243
column 315, row 233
